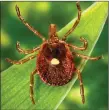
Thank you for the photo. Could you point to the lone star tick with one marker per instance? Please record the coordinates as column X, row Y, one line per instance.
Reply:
column 55, row 60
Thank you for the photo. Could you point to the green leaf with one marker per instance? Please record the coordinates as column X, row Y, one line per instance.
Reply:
column 15, row 80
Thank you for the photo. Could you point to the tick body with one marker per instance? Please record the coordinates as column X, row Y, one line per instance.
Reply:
column 54, row 63
column 52, row 73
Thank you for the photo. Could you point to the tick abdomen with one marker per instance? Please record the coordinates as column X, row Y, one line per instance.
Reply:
column 56, row 75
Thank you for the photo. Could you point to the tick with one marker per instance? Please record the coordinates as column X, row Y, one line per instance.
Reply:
column 55, row 61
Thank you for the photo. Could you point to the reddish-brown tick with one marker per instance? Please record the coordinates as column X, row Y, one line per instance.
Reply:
column 55, row 64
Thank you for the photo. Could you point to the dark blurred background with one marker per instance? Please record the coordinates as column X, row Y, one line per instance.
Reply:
column 40, row 15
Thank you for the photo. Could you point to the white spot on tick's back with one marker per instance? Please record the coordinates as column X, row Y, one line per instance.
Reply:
column 55, row 61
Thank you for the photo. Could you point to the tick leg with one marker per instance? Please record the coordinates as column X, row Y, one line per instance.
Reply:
column 76, row 22
column 87, row 57
column 31, row 85
column 80, row 48
column 26, row 51
column 81, row 86
column 20, row 61
column 27, row 25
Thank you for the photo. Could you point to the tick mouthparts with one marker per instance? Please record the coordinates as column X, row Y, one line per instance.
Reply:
column 55, row 61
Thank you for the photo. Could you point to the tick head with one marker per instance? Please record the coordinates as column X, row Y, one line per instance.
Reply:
column 53, row 38
column 52, row 29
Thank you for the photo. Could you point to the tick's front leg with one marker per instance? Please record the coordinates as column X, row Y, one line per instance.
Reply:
column 81, row 85
column 31, row 85
column 76, row 22
column 27, row 25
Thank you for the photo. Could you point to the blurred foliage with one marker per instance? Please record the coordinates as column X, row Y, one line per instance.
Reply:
column 40, row 15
